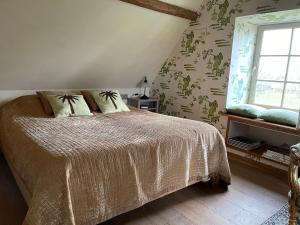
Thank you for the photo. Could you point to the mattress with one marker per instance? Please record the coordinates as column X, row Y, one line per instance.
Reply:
column 86, row 170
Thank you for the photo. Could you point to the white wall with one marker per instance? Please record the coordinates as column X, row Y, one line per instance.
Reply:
column 74, row 44
column 8, row 95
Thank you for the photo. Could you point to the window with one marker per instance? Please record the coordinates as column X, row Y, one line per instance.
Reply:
column 276, row 78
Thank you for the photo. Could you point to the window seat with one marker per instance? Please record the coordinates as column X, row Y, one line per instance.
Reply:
column 272, row 156
column 264, row 124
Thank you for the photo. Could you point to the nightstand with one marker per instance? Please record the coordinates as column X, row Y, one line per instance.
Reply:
column 150, row 104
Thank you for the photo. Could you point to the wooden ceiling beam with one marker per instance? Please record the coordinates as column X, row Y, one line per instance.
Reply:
column 164, row 7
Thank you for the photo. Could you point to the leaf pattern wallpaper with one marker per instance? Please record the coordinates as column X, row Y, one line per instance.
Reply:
column 193, row 82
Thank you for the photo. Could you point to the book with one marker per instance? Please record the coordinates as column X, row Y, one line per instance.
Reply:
column 244, row 143
column 144, row 107
column 276, row 156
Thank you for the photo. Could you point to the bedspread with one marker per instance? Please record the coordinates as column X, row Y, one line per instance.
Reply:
column 85, row 170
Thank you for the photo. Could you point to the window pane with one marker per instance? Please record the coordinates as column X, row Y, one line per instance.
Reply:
column 276, row 42
column 268, row 93
column 296, row 42
column 292, row 96
column 272, row 68
column 294, row 69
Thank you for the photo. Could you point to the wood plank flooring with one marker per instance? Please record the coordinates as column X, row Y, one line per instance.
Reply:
column 251, row 199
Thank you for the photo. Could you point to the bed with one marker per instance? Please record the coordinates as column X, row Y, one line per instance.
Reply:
column 86, row 170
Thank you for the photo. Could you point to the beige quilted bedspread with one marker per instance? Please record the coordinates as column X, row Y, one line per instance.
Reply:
column 85, row 170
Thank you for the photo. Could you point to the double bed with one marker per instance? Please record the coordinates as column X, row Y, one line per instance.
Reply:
column 86, row 170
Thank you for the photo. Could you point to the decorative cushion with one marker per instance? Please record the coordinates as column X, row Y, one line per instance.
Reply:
column 68, row 105
column 90, row 100
column 297, row 199
column 296, row 146
column 247, row 110
column 280, row 116
column 109, row 101
column 44, row 100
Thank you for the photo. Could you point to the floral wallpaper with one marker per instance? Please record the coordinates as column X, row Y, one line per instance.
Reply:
column 193, row 82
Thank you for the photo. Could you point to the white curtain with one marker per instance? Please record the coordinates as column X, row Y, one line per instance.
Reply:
column 298, row 125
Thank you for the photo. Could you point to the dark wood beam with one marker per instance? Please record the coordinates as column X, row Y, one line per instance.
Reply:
column 165, row 8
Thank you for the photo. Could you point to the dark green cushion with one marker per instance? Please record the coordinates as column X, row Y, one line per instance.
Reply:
column 247, row 110
column 280, row 116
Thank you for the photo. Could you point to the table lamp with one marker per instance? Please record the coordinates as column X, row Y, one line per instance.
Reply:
column 144, row 85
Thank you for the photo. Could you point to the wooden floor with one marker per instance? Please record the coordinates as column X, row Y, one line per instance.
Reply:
column 251, row 199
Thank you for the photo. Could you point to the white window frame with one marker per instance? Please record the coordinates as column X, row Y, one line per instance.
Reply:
column 257, row 55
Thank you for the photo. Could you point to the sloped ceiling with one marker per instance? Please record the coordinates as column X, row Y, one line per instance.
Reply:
column 57, row 44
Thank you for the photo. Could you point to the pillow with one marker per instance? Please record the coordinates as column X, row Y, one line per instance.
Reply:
column 69, row 105
column 90, row 100
column 109, row 101
column 46, row 105
column 280, row 116
column 247, row 110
